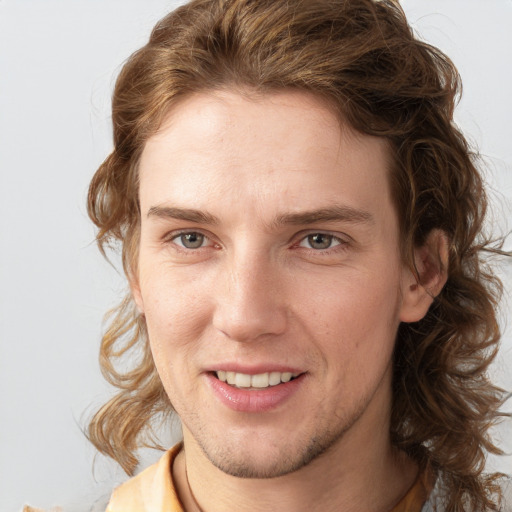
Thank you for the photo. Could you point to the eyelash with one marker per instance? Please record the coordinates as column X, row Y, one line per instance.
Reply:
column 341, row 243
column 171, row 237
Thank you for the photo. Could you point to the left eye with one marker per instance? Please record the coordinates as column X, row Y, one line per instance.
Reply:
column 191, row 240
column 320, row 241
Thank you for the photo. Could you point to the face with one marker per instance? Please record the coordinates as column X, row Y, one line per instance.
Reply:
column 269, row 276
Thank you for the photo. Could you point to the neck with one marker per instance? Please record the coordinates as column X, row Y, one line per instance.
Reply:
column 362, row 471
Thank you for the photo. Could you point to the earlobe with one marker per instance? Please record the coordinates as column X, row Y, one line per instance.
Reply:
column 420, row 287
column 136, row 294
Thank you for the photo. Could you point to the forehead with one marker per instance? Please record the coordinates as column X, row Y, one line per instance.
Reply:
column 286, row 149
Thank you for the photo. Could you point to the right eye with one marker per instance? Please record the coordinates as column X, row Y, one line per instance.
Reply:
column 320, row 241
column 191, row 240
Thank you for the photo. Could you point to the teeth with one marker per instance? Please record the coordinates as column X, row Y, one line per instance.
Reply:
column 274, row 378
column 242, row 380
column 286, row 377
column 262, row 380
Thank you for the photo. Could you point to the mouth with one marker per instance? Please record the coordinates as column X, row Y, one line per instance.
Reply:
column 259, row 381
column 255, row 392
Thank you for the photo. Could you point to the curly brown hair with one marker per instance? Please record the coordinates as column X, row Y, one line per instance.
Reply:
column 362, row 57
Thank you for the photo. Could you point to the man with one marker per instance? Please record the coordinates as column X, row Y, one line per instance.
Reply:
column 301, row 230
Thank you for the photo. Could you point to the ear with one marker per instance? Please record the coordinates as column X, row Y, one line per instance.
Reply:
column 420, row 287
column 136, row 293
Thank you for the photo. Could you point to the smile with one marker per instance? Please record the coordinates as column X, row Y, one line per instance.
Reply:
column 259, row 381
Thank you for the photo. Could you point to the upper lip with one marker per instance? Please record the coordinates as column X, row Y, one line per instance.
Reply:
column 254, row 369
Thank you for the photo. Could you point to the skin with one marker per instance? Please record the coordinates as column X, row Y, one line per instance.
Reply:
column 259, row 290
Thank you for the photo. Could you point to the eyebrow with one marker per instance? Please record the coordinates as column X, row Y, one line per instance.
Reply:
column 188, row 214
column 329, row 214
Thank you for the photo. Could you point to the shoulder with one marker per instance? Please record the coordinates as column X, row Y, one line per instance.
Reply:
column 153, row 489
column 433, row 503
column 507, row 495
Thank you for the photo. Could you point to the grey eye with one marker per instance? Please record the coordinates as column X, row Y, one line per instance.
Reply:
column 320, row 241
column 191, row 240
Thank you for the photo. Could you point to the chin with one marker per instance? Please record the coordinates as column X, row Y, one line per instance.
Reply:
column 272, row 462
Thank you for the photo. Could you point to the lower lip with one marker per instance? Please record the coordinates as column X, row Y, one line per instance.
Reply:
column 254, row 400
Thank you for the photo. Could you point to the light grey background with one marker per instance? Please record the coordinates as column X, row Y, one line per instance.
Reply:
column 58, row 61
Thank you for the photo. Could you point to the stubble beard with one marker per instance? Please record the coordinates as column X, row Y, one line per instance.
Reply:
column 288, row 459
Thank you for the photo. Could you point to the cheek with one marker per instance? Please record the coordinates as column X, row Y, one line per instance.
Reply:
column 362, row 300
column 358, row 321
column 174, row 326
column 174, row 322
column 176, row 316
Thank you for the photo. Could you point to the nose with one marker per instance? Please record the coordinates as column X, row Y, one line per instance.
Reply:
column 250, row 300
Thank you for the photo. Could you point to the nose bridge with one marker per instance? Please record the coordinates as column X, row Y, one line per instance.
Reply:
column 251, row 299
